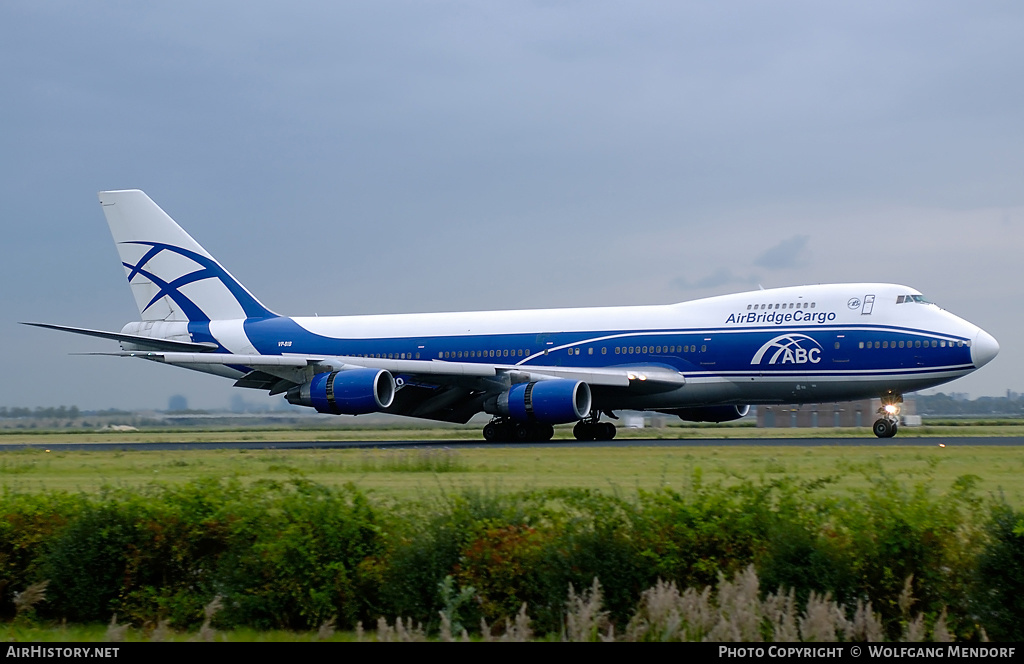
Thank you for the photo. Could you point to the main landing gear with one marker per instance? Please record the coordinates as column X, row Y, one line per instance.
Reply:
column 887, row 425
column 505, row 430
column 592, row 429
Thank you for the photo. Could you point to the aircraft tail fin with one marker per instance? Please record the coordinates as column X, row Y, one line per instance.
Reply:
column 171, row 276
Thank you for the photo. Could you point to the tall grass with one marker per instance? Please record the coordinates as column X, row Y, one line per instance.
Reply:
column 735, row 610
column 412, row 461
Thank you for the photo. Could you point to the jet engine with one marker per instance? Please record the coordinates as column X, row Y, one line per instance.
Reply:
column 351, row 392
column 710, row 413
column 548, row 401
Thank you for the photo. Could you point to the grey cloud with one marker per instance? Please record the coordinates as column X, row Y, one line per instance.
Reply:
column 721, row 277
column 788, row 254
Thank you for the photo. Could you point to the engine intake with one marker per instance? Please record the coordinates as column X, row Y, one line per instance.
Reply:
column 710, row 413
column 547, row 401
column 351, row 392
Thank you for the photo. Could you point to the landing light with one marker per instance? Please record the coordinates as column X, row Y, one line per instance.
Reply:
column 892, row 409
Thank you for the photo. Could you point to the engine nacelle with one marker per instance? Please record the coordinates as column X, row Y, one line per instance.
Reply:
column 352, row 392
column 711, row 413
column 548, row 401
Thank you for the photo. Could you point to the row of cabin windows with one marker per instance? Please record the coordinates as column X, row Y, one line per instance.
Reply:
column 474, row 354
column 912, row 344
column 389, row 356
column 619, row 350
column 791, row 305
column 626, row 350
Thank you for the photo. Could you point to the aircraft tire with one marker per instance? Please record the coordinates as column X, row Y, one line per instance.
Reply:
column 583, row 431
column 497, row 432
column 884, row 428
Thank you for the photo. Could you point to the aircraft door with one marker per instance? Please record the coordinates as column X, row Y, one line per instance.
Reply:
column 841, row 349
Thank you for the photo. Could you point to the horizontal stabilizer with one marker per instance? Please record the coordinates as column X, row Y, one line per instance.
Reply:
column 149, row 343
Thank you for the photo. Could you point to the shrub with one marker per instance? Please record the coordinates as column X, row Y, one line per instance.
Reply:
column 89, row 562
column 998, row 592
column 294, row 556
column 297, row 555
column 425, row 543
column 283, row 554
column 27, row 523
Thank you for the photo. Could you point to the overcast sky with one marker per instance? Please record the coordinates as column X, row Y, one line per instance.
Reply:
column 396, row 156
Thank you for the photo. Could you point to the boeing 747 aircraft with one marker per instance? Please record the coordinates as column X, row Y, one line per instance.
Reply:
column 704, row 361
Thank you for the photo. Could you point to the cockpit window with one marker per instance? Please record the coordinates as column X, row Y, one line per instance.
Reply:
column 920, row 299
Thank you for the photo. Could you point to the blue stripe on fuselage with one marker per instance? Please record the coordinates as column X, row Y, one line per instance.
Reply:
column 707, row 350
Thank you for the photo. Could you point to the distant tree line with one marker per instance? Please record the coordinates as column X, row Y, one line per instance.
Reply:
column 40, row 413
column 944, row 404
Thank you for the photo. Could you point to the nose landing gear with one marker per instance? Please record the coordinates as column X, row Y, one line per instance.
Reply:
column 887, row 425
column 885, row 428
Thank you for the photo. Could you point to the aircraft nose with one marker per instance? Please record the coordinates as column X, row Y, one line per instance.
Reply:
column 984, row 348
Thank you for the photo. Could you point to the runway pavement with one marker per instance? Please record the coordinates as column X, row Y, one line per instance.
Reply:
column 907, row 441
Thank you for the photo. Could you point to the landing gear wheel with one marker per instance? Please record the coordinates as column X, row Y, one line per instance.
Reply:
column 502, row 430
column 583, row 431
column 590, row 430
column 884, row 428
column 498, row 431
column 888, row 423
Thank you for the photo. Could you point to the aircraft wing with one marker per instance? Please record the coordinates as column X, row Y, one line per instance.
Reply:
column 286, row 365
column 433, row 389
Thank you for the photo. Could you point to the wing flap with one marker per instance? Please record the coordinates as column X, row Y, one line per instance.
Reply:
column 261, row 380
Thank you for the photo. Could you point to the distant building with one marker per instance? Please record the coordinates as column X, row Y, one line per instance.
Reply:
column 177, row 403
column 837, row 414
column 633, row 421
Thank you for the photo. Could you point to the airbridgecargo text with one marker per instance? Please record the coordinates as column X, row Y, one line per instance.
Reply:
column 779, row 318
